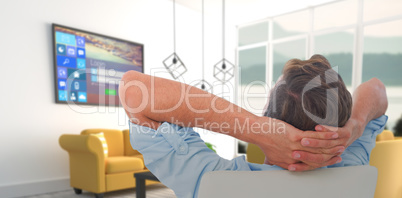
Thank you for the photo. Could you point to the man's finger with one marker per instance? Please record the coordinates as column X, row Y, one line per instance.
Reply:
column 337, row 150
column 320, row 135
column 316, row 143
column 310, row 157
column 299, row 167
column 334, row 160
column 280, row 164
column 305, row 166
column 323, row 128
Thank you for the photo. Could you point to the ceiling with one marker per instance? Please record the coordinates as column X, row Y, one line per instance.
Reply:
column 242, row 11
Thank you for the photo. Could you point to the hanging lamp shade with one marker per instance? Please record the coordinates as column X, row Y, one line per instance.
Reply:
column 173, row 63
column 204, row 85
column 223, row 70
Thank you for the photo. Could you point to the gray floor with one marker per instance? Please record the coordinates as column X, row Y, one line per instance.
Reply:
column 153, row 191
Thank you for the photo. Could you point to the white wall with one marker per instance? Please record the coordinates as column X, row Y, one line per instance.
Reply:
column 31, row 159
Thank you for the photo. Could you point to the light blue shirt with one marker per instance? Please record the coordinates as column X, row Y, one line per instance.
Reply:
column 178, row 157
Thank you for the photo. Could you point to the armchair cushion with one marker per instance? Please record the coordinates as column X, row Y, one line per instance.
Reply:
column 123, row 164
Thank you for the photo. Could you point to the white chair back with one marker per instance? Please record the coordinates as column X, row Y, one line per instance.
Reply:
column 344, row 182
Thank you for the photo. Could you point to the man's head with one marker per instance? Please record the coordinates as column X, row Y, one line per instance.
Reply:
column 310, row 93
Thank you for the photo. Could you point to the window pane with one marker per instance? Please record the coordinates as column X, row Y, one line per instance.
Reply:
column 328, row 16
column 383, row 53
column 338, row 49
column 253, row 92
column 382, row 58
column 252, row 65
column 376, row 9
column 291, row 24
column 253, row 34
column 286, row 51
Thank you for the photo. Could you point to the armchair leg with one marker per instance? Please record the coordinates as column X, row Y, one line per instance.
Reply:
column 77, row 191
column 98, row 195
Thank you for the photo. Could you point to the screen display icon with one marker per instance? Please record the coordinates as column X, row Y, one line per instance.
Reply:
column 80, row 52
column 61, row 72
column 66, row 61
column 72, row 96
column 71, row 51
column 75, row 74
column 61, row 49
column 78, row 85
column 82, row 97
column 62, row 95
column 65, row 38
column 81, row 64
column 62, row 84
column 94, row 78
column 80, row 41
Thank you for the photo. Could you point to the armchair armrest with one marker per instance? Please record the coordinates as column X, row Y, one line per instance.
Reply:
column 87, row 162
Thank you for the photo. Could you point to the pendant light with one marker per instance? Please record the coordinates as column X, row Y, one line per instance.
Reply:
column 223, row 70
column 172, row 63
column 204, row 85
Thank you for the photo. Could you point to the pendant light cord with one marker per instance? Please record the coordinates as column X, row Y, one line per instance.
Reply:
column 174, row 26
column 223, row 29
column 202, row 40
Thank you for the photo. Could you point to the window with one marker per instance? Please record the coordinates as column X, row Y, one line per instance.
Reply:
column 362, row 37
column 252, row 79
column 338, row 49
column 291, row 24
column 376, row 9
column 253, row 34
column 253, row 91
column 337, row 14
column 282, row 52
column 382, row 58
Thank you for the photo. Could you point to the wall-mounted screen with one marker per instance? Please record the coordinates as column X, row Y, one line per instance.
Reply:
column 89, row 66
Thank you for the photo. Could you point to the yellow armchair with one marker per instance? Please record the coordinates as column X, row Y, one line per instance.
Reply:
column 387, row 158
column 92, row 171
column 254, row 154
column 385, row 135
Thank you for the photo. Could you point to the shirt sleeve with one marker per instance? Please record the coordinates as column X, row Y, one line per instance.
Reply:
column 177, row 156
column 358, row 153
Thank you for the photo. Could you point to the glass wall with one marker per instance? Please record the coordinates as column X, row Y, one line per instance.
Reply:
column 252, row 65
column 339, row 14
column 291, row 24
column 382, row 58
column 362, row 37
column 252, row 88
column 377, row 9
column 337, row 47
column 253, row 34
column 286, row 51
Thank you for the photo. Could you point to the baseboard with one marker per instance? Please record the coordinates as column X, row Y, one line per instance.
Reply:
column 34, row 188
